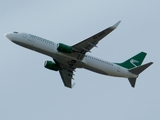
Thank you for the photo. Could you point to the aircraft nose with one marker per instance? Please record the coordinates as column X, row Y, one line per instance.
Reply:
column 8, row 35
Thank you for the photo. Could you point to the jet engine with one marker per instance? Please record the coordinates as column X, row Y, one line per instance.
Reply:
column 64, row 48
column 51, row 65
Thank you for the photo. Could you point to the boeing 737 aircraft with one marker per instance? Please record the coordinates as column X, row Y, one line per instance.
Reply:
column 67, row 58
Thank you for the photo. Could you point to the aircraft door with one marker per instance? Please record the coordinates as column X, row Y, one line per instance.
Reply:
column 118, row 69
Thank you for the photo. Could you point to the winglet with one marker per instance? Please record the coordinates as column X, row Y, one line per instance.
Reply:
column 73, row 85
column 115, row 25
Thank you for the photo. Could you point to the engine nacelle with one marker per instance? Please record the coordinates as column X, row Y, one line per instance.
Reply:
column 51, row 65
column 64, row 48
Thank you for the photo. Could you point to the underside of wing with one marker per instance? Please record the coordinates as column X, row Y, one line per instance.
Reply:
column 66, row 73
column 89, row 43
column 66, row 78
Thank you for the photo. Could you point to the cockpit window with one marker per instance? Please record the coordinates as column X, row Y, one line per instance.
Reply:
column 15, row 32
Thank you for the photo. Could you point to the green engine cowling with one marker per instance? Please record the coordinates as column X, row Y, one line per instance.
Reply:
column 51, row 65
column 64, row 48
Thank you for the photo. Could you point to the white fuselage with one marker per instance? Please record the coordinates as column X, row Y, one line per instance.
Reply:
column 50, row 48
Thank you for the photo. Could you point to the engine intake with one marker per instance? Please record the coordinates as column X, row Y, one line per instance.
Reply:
column 51, row 65
column 64, row 48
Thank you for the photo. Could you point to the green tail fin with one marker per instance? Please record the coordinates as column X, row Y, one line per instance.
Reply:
column 134, row 61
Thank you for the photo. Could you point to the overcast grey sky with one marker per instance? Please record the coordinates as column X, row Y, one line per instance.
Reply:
column 28, row 91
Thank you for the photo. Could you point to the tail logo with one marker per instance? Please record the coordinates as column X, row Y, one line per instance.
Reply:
column 133, row 62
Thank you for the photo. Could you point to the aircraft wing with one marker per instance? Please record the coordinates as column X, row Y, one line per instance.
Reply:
column 66, row 78
column 66, row 73
column 87, row 44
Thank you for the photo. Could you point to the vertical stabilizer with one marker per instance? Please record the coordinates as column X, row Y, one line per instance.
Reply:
column 133, row 61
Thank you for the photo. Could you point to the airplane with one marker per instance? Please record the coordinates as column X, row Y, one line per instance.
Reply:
column 67, row 58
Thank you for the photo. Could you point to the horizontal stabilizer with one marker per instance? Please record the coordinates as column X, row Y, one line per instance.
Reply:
column 132, row 81
column 139, row 69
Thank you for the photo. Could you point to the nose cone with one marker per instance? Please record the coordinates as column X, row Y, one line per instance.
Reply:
column 8, row 35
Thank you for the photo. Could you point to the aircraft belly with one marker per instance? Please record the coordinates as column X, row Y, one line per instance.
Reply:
column 98, row 68
column 95, row 70
column 106, row 68
column 67, row 60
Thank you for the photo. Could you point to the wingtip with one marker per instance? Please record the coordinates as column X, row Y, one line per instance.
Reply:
column 151, row 63
column 116, row 25
column 73, row 85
